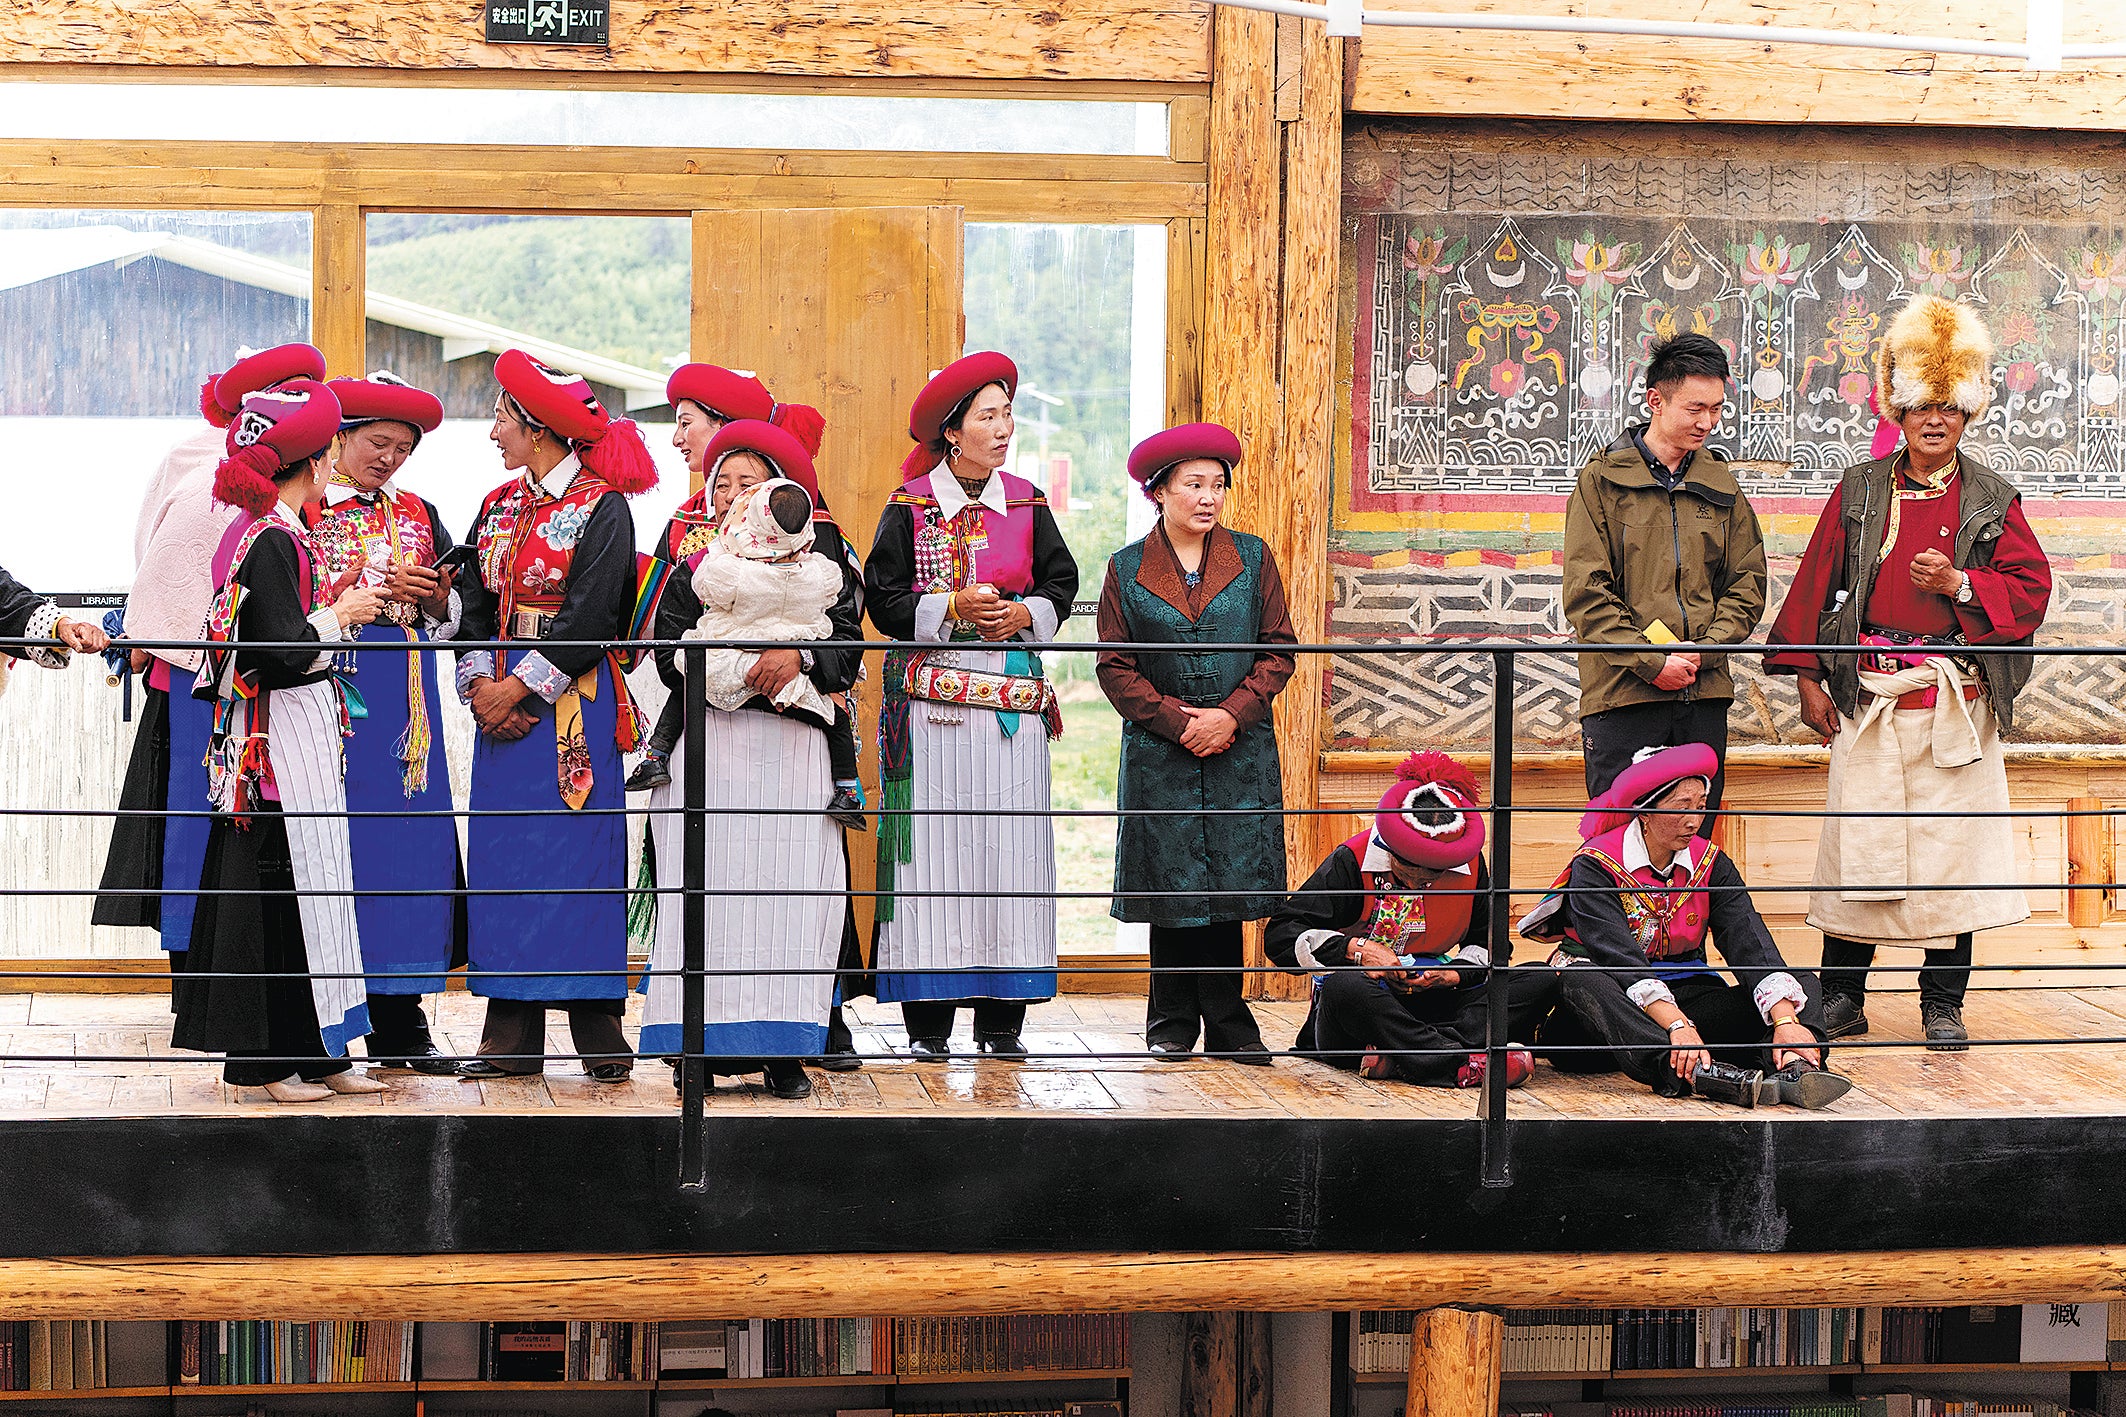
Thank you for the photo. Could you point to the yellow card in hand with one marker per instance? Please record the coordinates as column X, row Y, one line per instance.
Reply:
column 1660, row 634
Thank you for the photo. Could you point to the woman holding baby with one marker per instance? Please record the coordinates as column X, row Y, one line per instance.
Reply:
column 770, row 719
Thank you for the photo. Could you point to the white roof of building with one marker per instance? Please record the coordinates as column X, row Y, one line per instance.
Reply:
column 32, row 254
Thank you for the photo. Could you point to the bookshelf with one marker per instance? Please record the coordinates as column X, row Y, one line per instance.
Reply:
column 1816, row 1362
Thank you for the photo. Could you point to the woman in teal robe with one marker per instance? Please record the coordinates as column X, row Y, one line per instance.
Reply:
column 1196, row 739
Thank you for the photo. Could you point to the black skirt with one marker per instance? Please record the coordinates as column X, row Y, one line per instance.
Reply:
column 135, row 859
column 266, row 1006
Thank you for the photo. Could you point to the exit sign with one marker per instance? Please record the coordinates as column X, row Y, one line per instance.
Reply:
column 549, row 21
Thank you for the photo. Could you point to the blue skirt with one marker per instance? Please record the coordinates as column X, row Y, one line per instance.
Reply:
column 566, row 851
column 407, row 939
column 184, row 839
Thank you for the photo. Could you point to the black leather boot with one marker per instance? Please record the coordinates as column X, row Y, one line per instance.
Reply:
column 1809, row 1087
column 1724, row 1082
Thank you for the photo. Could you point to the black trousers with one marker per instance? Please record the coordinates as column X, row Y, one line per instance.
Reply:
column 518, row 1027
column 1609, row 738
column 1179, row 1003
column 993, row 1018
column 1595, row 1013
column 1429, row 1033
column 398, row 1027
column 1947, row 976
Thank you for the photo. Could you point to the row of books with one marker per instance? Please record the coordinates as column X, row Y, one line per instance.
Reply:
column 1796, row 1407
column 879, row 1347
column 549, row 1352
column 239, row 1352
column 44, row 1355
column 1644, row 1339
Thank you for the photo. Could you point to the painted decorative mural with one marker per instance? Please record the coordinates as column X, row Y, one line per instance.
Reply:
column 1503, row 290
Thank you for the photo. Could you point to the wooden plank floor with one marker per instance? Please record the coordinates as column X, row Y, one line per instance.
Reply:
column 109, row 1055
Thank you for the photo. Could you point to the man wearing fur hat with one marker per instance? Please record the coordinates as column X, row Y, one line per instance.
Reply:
column 1918, row 559
column 1396, row 928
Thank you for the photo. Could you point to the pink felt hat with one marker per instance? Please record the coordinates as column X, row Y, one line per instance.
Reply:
column 1429, row 816
column 1639, row 786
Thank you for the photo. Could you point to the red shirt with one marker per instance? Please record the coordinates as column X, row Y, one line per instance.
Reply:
column 2008, row 598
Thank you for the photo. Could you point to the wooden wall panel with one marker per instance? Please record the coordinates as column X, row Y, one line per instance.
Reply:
column 848, row 311
column 1107, row 40
column 1526, row 75
column 339, row 282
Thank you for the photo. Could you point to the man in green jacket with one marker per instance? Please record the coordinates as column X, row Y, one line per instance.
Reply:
column 1661, row 547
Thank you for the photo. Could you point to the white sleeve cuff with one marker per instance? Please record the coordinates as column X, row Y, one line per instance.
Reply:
column 1775, row 987
column 1310, row 941
column 541, row 677
column 930, row 617
column 1648, row 992
column 44, row 620
column 446, row 628
column 1045, row 620
column 1475, row 956
column 478, row 664
column 327, row 625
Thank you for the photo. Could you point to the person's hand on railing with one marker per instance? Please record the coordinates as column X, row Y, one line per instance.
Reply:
column 1210, row 731
column 137, row 660
column 81, row 636
column 1817, row 710
column 357, row 606
column 1678, row 671
column 495, row 705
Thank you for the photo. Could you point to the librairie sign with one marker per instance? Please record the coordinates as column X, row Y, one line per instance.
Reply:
column 548, row 21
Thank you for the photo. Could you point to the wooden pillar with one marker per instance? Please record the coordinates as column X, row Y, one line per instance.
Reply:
column 339, row 295
column 1298, row 532
column 1225, row 1365
column 2089, row 860
column 1455, row 1356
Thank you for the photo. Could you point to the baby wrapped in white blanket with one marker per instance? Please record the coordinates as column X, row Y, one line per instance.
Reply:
column 761, row 580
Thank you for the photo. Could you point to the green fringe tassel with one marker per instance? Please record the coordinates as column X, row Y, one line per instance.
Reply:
column 642, row 903
column 896, row 837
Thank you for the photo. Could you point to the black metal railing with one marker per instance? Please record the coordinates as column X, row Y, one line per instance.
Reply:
column 695, row 968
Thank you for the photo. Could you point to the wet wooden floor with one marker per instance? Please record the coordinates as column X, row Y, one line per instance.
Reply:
column 109, row 1055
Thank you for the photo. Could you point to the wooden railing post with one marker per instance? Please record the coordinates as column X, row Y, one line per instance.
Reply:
column 1454, row 1363
column 2089, row 858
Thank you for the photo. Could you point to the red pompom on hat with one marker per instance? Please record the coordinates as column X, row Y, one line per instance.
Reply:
column 384, row 397
column 1431, row 784
column 1639, row 786
column 726, row 393
column 1191, row 440
column 222, row 395
column 950, row 387
column 783, row 452
column 611, row 448
column 803, row 422
column 274, row 428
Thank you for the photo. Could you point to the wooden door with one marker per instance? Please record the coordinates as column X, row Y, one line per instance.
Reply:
column 849, row 310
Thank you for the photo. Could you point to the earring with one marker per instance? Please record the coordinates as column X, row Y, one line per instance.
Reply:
column 952, row 451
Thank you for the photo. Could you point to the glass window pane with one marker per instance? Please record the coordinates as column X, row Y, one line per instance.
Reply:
column 1082, row 310
column 542, row 117
column 109, row 321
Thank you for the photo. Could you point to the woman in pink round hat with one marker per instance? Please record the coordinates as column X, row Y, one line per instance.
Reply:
column 968, row 558
column 1196, row 735
column 1642, row 898
column 1396, row 928
column 272, row 975
column 554, row 562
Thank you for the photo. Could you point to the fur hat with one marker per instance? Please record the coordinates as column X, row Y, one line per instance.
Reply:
column 1937, row 352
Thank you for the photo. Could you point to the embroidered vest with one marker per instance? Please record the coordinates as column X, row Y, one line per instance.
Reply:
column 1669, row 924
column 976, row 546
column 1426, row 924
column 690, row 532
column 373, row 534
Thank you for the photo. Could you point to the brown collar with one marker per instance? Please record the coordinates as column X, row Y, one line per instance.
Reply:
column 1159, row 570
